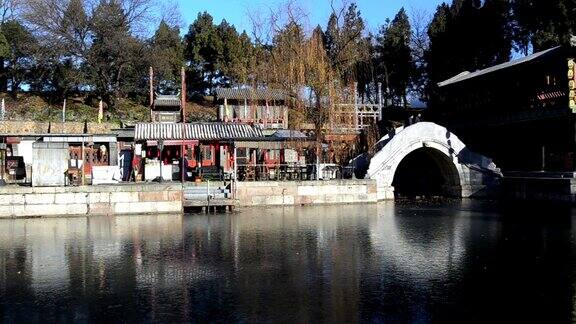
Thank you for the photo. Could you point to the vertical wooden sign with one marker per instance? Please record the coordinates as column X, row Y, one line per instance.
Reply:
column 572, row 84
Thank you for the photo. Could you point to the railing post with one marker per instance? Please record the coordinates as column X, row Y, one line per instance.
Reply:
column 356, row 115
column 380, row 112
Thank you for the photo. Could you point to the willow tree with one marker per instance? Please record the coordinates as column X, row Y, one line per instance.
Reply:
column 320, row 78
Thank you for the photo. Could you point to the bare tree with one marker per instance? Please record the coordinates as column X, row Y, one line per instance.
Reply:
column 48, row 17
column 170, row 13
column 9, row 9
column 420, row 42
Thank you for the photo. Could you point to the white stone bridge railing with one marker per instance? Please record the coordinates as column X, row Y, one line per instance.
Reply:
column 467, row 174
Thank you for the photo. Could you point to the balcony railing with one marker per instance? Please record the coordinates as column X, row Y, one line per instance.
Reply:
column 270, row 117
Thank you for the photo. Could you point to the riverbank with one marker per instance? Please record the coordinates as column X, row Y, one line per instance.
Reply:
column 134, row 199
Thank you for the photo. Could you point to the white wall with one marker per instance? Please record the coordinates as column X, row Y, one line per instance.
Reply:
column 25, row 150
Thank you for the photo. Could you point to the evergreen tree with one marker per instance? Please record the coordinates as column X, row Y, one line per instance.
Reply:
column 74, row 29
column 346, row 45
column 115, row 57
column 236, row 49
column 19, row 62
column 395, row 65
column 167, row 57
column 4, row 53
column 203, row 50
column 542, row 24
column 457, row 44
column 331, row 39
column 247, row 50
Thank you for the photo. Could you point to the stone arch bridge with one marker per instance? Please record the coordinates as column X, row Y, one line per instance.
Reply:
column 426, row 158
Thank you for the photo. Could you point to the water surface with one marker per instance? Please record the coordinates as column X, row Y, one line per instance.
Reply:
column 455, row 262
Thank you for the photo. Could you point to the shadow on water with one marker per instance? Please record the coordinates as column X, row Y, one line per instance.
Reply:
column 451, row 261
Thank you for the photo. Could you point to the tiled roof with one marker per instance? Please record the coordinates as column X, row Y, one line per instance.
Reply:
column 197, row 131
column 287, row 134
column 167, row 101
column 251, row 94
column 469, row 75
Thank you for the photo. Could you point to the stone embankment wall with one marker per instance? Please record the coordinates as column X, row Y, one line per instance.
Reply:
column 306, row 193
column 90, row 200
column 167, row 198
column 541, row 189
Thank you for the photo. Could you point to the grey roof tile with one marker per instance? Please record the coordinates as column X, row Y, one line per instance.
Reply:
column 197, row 131
column 469, row 75
column 251, row 94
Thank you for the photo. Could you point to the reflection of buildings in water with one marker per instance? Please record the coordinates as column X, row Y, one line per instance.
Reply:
column 70, row 250
column 44, row 241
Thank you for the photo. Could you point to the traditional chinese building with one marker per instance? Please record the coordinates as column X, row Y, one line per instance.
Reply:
column 520, row 113
column 56, row 154
column 166, row 109
column 214, row 150
column 267, row 108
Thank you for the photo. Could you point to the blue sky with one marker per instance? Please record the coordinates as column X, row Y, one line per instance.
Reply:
column 237, row 12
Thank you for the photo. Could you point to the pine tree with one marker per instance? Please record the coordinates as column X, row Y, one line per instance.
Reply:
column 19, row 62
column 167, row 56
column 457, row 44
column 114, row 58
column 395, row 66
column 203, row 50
column 346, row 44
column 236, row 50
column 541, row 24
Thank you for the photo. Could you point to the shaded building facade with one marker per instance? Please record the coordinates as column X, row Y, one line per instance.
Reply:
column 517, row 113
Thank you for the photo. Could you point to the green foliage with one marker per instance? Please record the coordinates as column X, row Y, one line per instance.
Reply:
column 115, row 56
column 395, row 66
column 128, row 110
column 457, row 43
column 96, row 48
column 542, row 24
column 4, row 46
column 203, row 49
column 19, row 62
column 218, row 54
column 233, row 62
column 167, row 56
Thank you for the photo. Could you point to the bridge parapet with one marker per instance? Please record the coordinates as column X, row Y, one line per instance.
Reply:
column 466, row 174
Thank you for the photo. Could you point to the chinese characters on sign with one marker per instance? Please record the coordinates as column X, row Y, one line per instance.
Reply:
column 572, row 84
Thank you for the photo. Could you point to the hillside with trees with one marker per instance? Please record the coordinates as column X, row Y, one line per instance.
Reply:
column 85, row 51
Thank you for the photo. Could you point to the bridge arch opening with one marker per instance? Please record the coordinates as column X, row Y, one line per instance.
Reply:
column 426, row 172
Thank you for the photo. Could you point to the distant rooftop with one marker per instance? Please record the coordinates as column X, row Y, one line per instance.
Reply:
column 251, row 94
column 287, row 133
column 469, row 75
column 167, row 101
column 197, row 131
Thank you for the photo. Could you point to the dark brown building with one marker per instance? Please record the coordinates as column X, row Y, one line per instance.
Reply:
column 518, row 113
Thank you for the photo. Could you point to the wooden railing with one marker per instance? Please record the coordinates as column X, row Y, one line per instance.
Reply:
column 267, row 116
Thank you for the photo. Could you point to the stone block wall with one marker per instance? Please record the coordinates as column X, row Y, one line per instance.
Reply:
column 306, row 193
column 167, row 198
column 90, row 200
column 539, row 189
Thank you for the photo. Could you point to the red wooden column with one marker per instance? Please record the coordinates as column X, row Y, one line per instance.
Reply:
column 183, row 103
column 151, row 93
